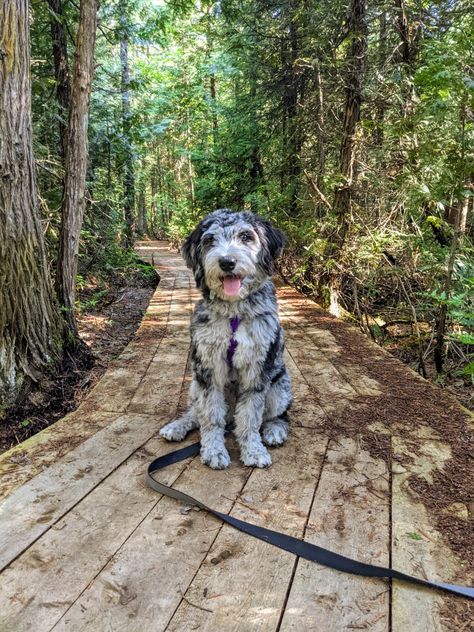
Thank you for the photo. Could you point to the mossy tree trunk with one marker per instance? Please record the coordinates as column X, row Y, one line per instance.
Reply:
column 30, row 322
column 76, row 164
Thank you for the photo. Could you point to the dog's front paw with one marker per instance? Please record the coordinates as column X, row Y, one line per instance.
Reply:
column 275, row 434
column 256, row 456
column 217, row 459
column 174, row 431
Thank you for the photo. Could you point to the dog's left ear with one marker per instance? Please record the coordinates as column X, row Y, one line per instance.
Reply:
column 274, row 241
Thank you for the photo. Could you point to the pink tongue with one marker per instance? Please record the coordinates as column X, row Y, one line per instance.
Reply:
column 232, row 286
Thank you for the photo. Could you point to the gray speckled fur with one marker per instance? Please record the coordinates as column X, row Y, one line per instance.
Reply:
column 253, row 396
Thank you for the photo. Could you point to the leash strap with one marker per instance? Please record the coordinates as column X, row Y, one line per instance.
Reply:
column 286, row 542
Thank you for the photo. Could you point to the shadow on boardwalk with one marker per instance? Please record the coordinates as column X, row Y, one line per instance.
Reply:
column 377, row 467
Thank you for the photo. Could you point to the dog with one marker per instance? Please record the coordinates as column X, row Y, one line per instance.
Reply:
column 239, row 378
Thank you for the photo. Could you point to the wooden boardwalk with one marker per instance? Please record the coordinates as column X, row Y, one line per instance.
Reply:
column 85, row 545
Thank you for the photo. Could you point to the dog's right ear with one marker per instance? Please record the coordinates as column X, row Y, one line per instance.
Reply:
column 191, row 249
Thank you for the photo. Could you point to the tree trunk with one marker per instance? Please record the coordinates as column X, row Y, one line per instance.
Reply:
column 128, row 173
column 61, row 71
column 292, row 142
column 409, row 46
column 443, row 310
column 142, row 228
column 356, row 60
column 76, row 164
column 320, row 127
column 347, row 156
column 380, row 100
column 30, row 323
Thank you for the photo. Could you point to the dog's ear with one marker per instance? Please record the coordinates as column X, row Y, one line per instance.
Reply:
column 191, row 252
column 191, row 249
column 274, row 241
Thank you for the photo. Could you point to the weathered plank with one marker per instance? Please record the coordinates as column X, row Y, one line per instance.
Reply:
column 305, row 411
column 349, row 515
column 333, row 392
column 28, row 459
column 123, row 378
column 242, row 583
column 68, row 480
column 143, row 584
column 326, row 350
column 33, row 508
column 171, row 356
column 417, row 546
column 40, row 586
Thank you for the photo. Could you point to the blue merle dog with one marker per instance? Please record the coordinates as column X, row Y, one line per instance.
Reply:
column 239, row 376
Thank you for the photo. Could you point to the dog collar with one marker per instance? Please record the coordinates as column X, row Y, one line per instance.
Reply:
column 234, row 325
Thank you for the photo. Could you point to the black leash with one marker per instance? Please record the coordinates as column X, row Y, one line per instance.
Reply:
column 286, row 542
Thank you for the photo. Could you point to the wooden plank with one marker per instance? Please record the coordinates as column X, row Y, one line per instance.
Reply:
column 334, row 394
column 350, row 515
column 242, row 583
column 124, row 377
column 417, row 546
column 30, row 457
column 327, row 350
column 40, row 586
column 170, row 357
column 33, row 508
column 142, row 585
column 38, row 504
column 305, row 410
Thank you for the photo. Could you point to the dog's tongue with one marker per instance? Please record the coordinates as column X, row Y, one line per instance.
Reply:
column 231, row 286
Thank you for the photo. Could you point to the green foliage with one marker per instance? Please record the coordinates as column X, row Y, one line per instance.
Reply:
column 241, row 104
column 93, row 300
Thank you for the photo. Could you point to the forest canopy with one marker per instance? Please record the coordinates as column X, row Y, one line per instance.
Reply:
column 350, row 125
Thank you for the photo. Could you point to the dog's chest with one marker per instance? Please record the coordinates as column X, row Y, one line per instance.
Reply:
column 214, row 340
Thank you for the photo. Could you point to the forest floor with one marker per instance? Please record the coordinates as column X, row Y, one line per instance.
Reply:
column 110, row 313
column 405, row 349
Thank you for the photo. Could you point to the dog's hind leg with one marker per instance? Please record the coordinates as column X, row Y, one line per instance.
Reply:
column 275, row 425
column 177, row 430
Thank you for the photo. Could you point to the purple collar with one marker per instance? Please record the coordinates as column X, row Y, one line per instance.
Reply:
column 234, row 325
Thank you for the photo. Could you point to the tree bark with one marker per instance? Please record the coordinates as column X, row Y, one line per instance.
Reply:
column 443, row 310
column 321, row 151
column 76, row 164
column 291, row 94
column 380, row 100
column 30, row 323
column 356, row 61
column 354, row 82
column 128, row 170
column 61, row 70
column 142, row 228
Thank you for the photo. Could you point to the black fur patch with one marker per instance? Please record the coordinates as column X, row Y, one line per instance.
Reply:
column 272, row 354
column 203, row 376
column 278, row 376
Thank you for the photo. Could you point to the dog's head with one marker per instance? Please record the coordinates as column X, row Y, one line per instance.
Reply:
column 231, row 254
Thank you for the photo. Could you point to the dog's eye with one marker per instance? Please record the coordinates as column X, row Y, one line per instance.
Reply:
column 246, row 237
column 207, row 240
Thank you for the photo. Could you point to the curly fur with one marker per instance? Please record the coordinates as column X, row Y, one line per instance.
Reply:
column 254, row 394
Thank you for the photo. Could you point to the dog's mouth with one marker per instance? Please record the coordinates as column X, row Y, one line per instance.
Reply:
column 231, row 284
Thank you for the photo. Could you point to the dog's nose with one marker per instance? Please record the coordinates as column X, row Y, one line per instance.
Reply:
column 227, row 264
